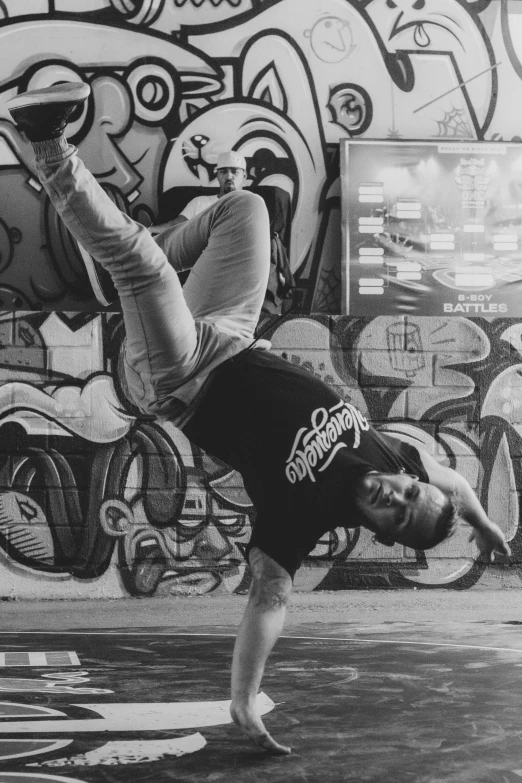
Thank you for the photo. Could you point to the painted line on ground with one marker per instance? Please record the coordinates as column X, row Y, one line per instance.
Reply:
column 301, row 638
column 38, row 658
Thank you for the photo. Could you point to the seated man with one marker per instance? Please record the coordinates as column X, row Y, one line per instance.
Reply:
column 231, row 175
column 310, row 461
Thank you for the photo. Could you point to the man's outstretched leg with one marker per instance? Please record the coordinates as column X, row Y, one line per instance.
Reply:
column 166, row 346
column 160, row 331
column 260, row 628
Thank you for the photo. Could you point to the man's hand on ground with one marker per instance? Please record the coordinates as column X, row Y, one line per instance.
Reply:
column 251, row 724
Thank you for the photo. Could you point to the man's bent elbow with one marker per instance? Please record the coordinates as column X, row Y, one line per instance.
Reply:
column 271, row 583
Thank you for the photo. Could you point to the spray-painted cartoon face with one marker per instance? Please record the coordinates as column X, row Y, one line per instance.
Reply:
column 331, row 39
column 421, row 23
column 199, row 552
column 459, row 49
column 136, row 104
column 275, row 150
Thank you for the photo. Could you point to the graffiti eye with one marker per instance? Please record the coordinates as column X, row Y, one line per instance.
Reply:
column 141, row 12
column 419, row 5
column 56, row 73
column 391, row 4
column 189, row 523
column 232, row 526
column 351, row 108
column 187, row 529
column 154, row 91
column 327, row 24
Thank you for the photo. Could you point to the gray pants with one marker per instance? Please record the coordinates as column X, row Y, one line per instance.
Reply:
column 174, row 337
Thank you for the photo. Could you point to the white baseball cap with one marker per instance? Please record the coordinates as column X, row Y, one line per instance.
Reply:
column 231, row 160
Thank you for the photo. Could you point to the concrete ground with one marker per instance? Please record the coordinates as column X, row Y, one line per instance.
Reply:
column 360, row 607
column 409, row 686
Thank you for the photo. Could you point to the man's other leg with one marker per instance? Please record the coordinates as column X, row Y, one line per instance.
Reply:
column 227, row 247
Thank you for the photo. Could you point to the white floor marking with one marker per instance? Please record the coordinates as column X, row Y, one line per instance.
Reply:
column 149, row 716
column 24, row 658
column 405, row 641
column 74, row 677
column 13, row 749
column 134, row 752
column 305, row 638
column 34, row 777
column 10, row 710
column 352, row 673
column 45, row 686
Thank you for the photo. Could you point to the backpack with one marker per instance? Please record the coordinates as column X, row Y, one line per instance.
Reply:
column 280, row 279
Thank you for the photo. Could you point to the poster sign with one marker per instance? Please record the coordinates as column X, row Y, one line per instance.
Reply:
column 432, row 228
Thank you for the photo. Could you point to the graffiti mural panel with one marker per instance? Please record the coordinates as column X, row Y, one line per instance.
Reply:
column 95, row 499
column 176, row 81
column 140, row 89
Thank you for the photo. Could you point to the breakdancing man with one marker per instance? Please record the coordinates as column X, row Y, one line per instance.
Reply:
column 310, row 461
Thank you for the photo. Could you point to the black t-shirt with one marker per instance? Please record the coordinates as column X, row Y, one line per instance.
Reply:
column 299, row 447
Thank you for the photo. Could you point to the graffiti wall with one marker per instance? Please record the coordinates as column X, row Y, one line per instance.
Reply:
column 96, row 500
column 174, row 82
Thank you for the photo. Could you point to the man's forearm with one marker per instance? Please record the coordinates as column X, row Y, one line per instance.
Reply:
column 487, row 535
column 469, row 506
column 458, row 489
column 259, row 630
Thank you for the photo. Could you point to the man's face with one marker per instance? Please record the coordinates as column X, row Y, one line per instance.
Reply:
column 230, row 179
column 400, row 508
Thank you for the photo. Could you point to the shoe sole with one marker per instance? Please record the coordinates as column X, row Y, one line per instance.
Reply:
column 59, row 93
